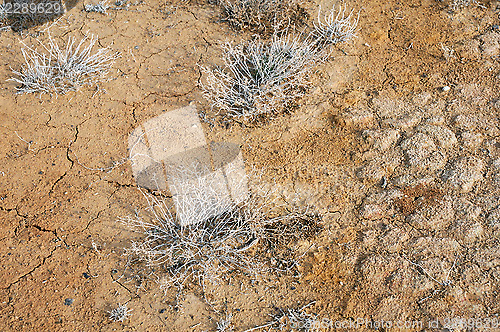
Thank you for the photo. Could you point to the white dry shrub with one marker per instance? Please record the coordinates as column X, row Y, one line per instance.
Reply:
column 335, row 27
column 58, row 70
column 120, row 313
column 210, row 248
column 263, row 16
column 260, row 77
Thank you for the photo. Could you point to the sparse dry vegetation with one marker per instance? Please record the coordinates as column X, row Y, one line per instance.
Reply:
column 221, row 236
column 335, row 26
column 265, row 77
column 58, row 70
column 397, row 145
column 261, row 77
column 120, row 313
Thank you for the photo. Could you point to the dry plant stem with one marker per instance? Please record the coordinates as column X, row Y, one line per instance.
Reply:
column 56, row 70
column 261, row 78
column 335, row 27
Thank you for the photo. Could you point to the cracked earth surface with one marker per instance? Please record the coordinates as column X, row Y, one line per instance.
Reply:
column 406, row 175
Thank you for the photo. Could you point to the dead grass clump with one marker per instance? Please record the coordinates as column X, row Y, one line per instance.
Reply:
column 335, row 27
column 261, row 78
column 120, row 313
column 58, row 70
column 263, row 16
column 210, row 248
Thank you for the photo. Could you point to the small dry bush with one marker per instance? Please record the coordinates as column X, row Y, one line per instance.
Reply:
column 120, row 313
column 214, row 246
column 261, row 77
column 58, row 70
column 263, row 16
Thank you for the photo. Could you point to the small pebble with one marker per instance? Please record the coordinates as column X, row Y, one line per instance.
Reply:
column 446, row 88
column 86, row 275
column 68, row 302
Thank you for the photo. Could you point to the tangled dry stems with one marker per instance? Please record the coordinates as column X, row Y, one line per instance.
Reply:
column 58, row 70
column 120, row 313
column 335, row 26
column 209, row 249
column 261, row 77
column 263, row 16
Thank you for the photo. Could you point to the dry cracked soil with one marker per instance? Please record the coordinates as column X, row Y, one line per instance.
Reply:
column 405, row 173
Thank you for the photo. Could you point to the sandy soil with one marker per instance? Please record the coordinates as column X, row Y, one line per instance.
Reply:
column 406, row 175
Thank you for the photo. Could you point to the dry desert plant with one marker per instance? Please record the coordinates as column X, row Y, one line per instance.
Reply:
column 261, row 77
column 262, row 16
column 58, row 70
column 213, row 246
column 335, row 27
column 120, row 313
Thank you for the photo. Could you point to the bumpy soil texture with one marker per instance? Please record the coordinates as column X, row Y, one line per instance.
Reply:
column 405, row 173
